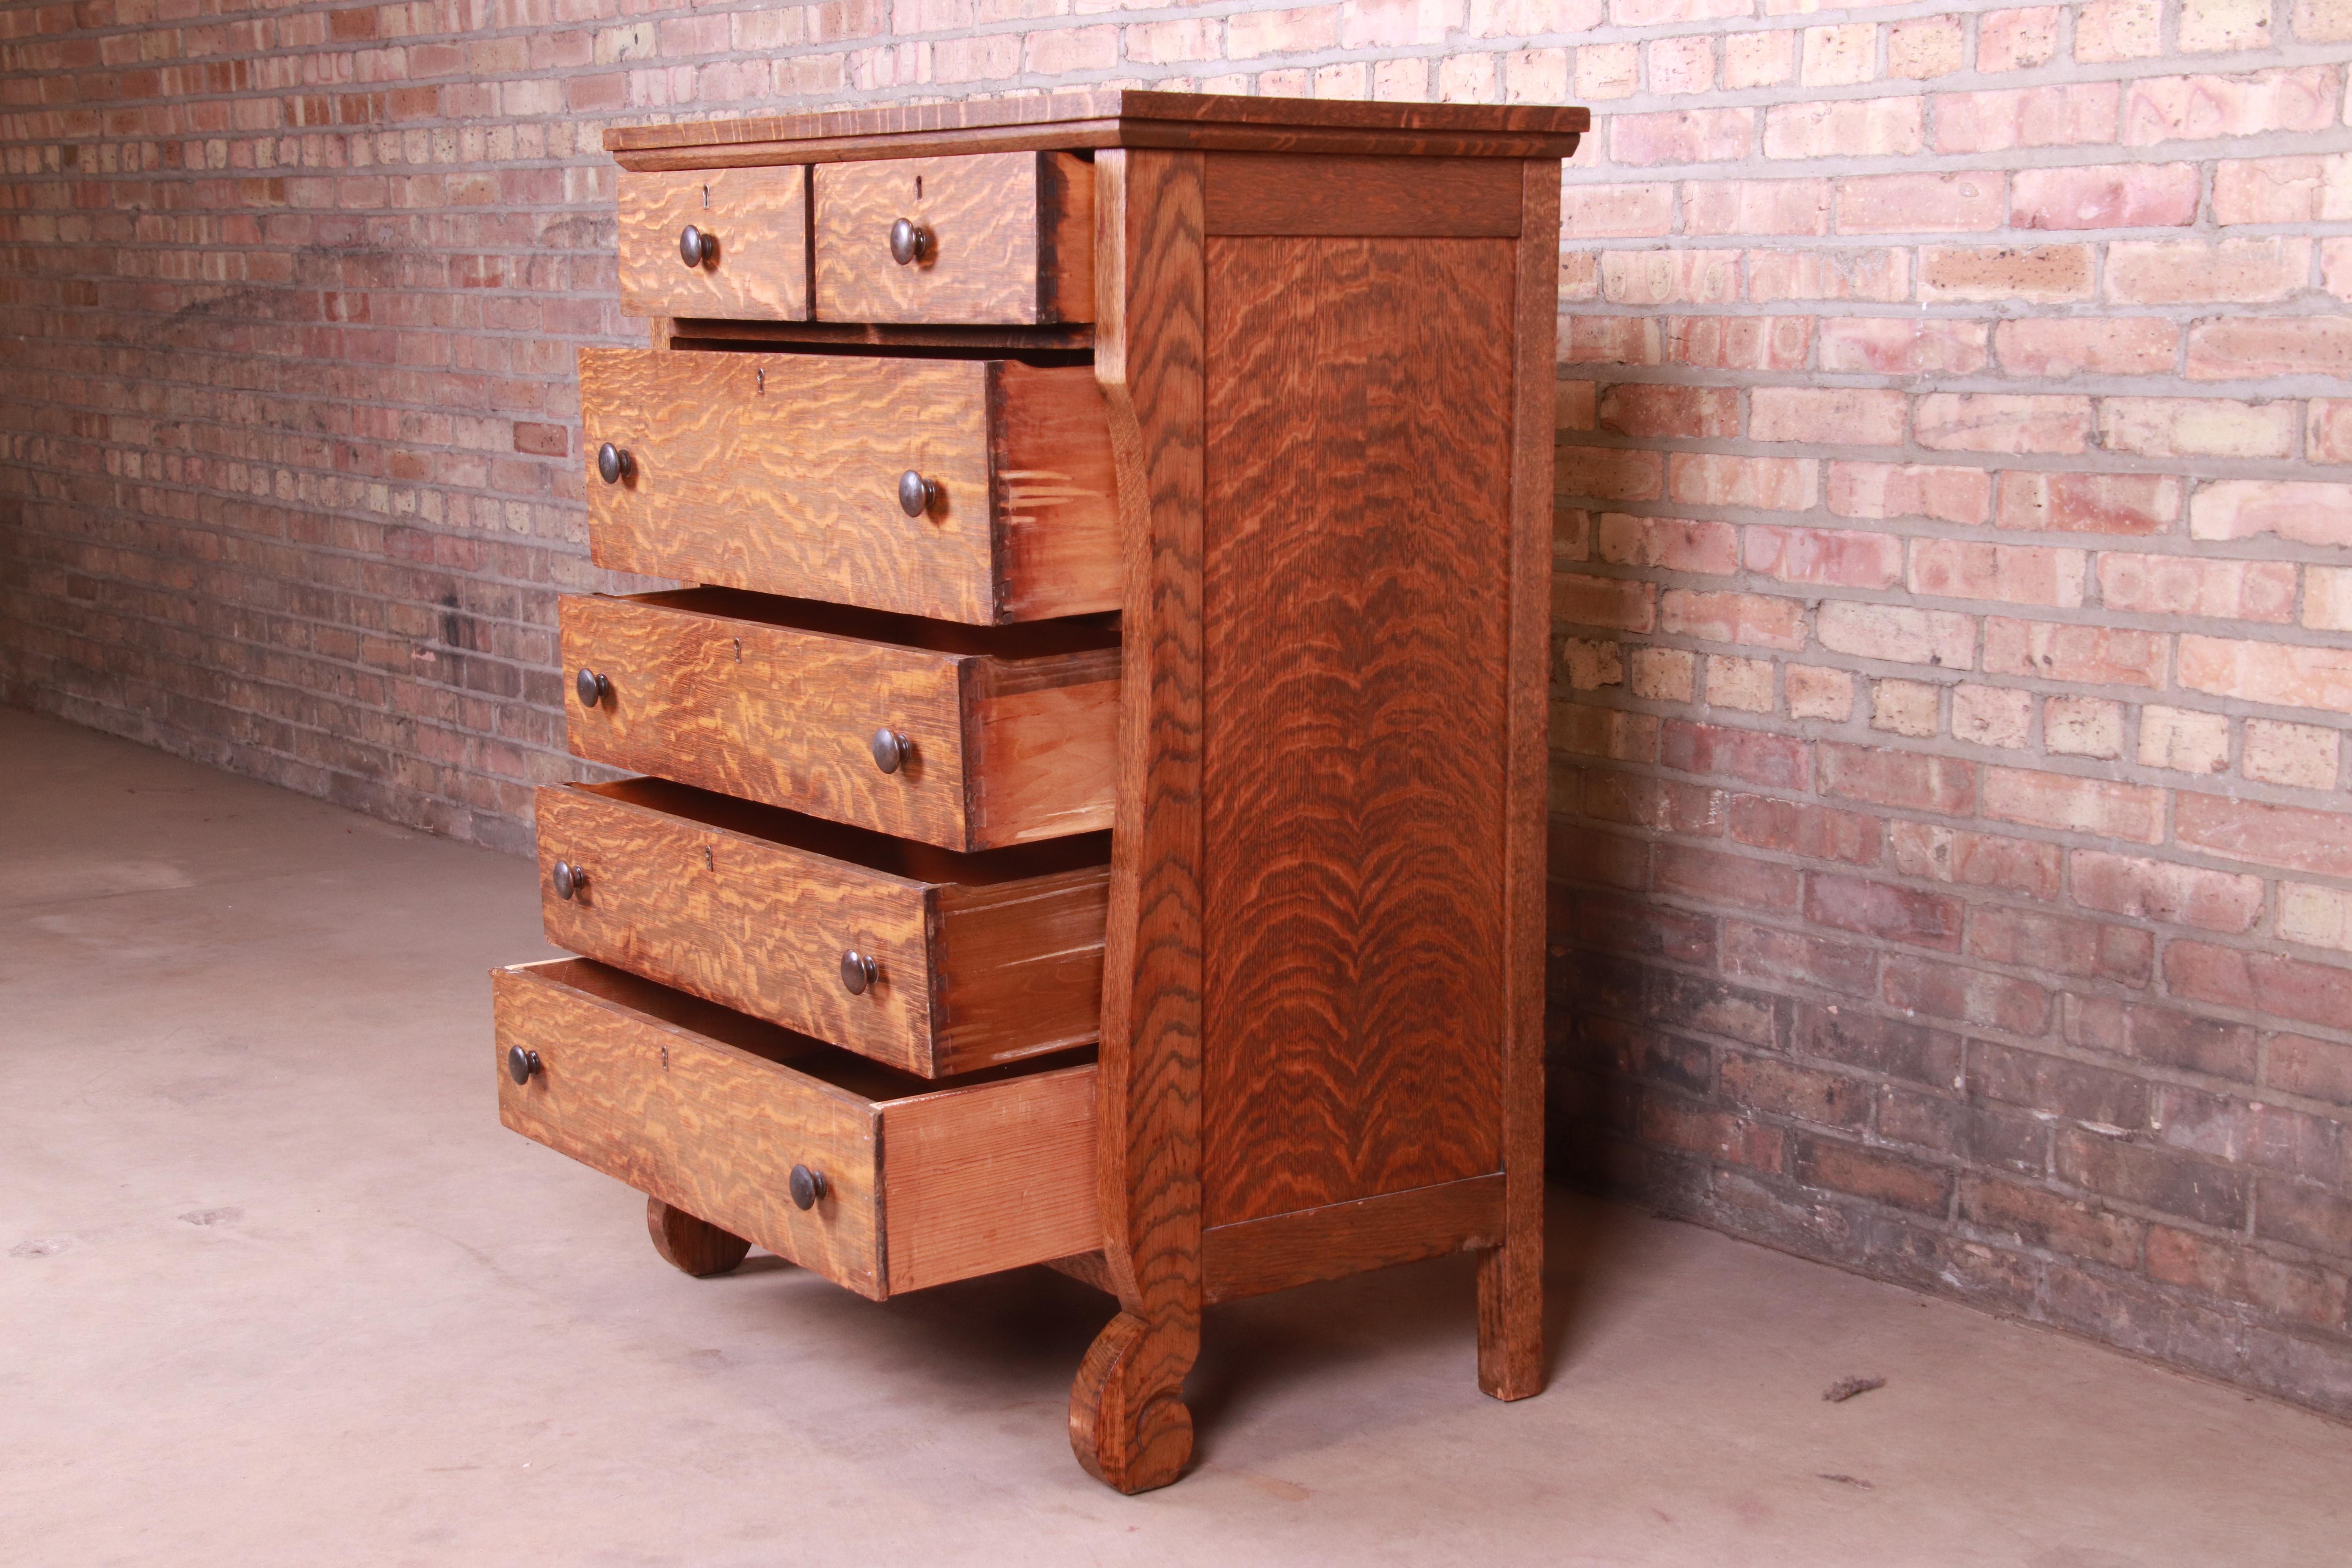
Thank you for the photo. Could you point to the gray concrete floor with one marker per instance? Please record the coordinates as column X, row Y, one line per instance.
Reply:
column 278, row 1288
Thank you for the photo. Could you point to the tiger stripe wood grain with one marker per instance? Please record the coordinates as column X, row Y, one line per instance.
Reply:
column 776, row 700
column 1291, row 193
column 1510, row 1280
column 1128, row 1424
column 1012, row 237
column 779, row 473
column 983, row 959
column 761, row 220
column 707, row 1112
column 1356, row 658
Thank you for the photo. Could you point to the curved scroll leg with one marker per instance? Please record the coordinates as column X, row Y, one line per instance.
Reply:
column 689, row 1245
column 1129, row 1425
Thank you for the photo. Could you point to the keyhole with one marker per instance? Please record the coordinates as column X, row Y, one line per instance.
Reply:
column 665, row 1050
column 739, row 651
column 705, row 195
column 919, row 187
column 707, row 863
column 761, row 377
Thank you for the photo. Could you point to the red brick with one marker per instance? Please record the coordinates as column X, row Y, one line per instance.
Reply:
column 2306, row 1216
column 2195, row 108
column 1972, row 996
column 2196, row 428
column 2215, row 1047
column 2316, row 1069
column 1585, row 854
column 1607, row 473
column 1608, row 340
column 2302, row 189
column 2160, row 891
column 1879, row 1174
column 1796, row 828
column 1774, row 484
column 1911, row 780
column 2067, row 803
column 1845, row 128
column 1920, row 204
column 2298, row 512
column 1882, row 910
column 1781, row 1088
column 2174, row 272
column 2096, row 656
column 1897, row 489
column 1895, row 1047
column 1705, row 277
column 2112, row 196
column 1650, row 410
column 2090, row 503
column 1615, row 211
column 2023, row 575
column 2282, row 673
column 1759, row 620
column 1673, row 544
column 1717, row 1134
column 2023, row 866
column 2238, row 1273
column 1725, row 878
column 2047, row 1220
column 1826, row 415
column 2027, row 117
column 2248, row 1131
column 1876, row 345
column 1843, row 557
column 1665, row 803
column 1752, row 208
column 1877, row 275
column 2285, row 836
column 2054, row 1085
column 1757, row 756
column 544, row 440
column 2055, row 349
column 2154, row 1178
column 1615, row 602
column 2002, row 422
column 1682, row 136
column 2328, row 431
column 1735, row 342
column 2264, row 983
column 2053, row 943
column 2238, row 348
column 1898, row 633
column 1713, row 1007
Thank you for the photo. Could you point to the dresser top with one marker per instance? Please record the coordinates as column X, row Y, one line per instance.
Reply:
column 1118, row 117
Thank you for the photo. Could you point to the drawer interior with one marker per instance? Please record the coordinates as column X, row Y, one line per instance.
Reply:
column 1021, row 640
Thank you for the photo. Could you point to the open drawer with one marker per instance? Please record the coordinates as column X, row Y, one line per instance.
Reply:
column 931, row 961
column 711, row 1111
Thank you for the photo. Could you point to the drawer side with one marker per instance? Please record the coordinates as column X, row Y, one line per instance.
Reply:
column 978, row 1180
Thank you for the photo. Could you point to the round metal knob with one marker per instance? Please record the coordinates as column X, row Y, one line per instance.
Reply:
column 858, row 970
column 614, row 464
column 522, row 1064
column 890, row 750
column 591, row 687
column 909, row 242
column 695, row 249
column 917, row 495
column 807, row 1186
column 569, row 880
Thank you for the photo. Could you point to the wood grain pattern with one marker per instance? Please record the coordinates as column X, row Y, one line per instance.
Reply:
column 1510, row 1280
column 1292, row 194
column 707, row 1112
column 650, row 1092
column 775, row 700
column 972, row 1179
column 1122, row 117
column 761, row 217
column 983, row 959
column 1129, row 1425
column 1011, row 239
column 691, row 1245
column 1330, row 1242
column 779, row 473
column 1358, row 509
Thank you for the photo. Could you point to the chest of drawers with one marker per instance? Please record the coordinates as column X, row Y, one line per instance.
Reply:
column 1093, row 797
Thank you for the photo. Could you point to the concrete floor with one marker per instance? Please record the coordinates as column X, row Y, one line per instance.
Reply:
column 278, row 1288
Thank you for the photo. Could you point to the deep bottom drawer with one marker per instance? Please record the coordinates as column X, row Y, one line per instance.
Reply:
column 709, row 1112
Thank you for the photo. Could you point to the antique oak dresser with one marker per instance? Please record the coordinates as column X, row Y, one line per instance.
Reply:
column 1092, row 808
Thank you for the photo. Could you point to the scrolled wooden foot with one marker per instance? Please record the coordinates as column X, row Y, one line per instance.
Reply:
column 1129, row 1425
column 689, row 1245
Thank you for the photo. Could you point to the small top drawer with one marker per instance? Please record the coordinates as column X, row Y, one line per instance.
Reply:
column 989, row 238
column 729, row 243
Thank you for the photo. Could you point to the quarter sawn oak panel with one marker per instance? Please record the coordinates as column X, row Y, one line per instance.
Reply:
column 779, row 473
column 759, row 218
column 1356, row 605
column 1012, row 237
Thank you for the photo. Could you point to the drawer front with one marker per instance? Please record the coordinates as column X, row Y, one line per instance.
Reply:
column 756, row 222
column 1000, row 753
column 709, row 1112
column 781, row 474
column 1006, row 238
column 965, row 976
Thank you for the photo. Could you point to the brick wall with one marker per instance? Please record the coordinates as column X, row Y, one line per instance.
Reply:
column 1955, row 551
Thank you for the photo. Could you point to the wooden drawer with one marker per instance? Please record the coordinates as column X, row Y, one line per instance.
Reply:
column 757, row 221
column 781, row 473
column 977, row 959
column 1008, row 730
column 1009, row 239
column 708, row 1112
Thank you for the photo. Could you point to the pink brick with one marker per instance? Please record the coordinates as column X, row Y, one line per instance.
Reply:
column 1666, row 277
column 1902, row 345
column 2113, row 195
column 1616, row 603
column 1739, row 343
column 1913, row 781
column 2090, row 655
column 1997, row 422
column 2323, row 21
column 2016, row 41
column 1839, row 55
column 1654, row 410
column 1607, row 474
column 2237, row 348
column 1750, row 208
column 1840, row 557
column 2304, row 189
column 2016, row 574
column 2265, row 835
column 2174, row 272
column 1683, row 65
column 1923, row 204
column 2054, row 348
column 1757, row 757
column 2184, row 585
column 1650, row 13
column 1673, row 544
column 2118, row 30
column 2159, row 890
column 1826, row 415
column 1926, row 46
column 1683, row 136
column 1898, row 633
column 2024, row 866
column 2278, row 673
column 1760, row 620
column 2301, row 512
column 2327, row 430
column 1970, row 995
column 1877, row 275
column 1608, row 340
column 1249, row 35
column 2195, row 108
column 2064, row 801
column 1898, row 490
column 1758, row 59
column 2048, row 274
column 2196, row 428
column 2090, row 503
column 1610, row 212
column 2027, row 117
column 1775, row 484
column 1992, row 716
column 1845, row 128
